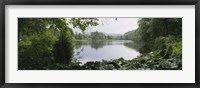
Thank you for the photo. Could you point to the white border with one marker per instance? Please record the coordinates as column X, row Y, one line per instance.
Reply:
column 187, row 75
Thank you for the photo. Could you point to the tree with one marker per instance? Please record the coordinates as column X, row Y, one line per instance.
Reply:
column 98, row 36
column 36, row 39
column 42, row 41
column 152, row 31
column 83, row 23
column 63, row 48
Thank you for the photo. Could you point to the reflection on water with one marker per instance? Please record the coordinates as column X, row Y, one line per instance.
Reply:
column 104, row 50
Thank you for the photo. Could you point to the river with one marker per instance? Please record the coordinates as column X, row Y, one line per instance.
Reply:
column 86, row 51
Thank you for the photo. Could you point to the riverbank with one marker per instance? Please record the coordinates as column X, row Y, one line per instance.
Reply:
column 147, row 62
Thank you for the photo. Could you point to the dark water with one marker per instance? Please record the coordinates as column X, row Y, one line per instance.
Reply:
column 104, row 50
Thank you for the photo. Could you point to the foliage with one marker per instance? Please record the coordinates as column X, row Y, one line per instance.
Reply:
column 92, row 36
column 81, row 36
column 152, row 28
column 161, row 37
column 45, row 41
column 40, row 39
column 150, row 62
column 83, row 23
column 98, row 36
column 36, row 45
column 130, row 35
column 63, row 48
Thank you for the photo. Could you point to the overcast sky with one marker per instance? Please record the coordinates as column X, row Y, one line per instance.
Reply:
column 112, row 26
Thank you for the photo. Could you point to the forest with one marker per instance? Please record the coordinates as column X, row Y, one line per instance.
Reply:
column 49, row 43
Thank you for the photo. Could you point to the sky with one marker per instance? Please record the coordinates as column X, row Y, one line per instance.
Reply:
column 112, row 26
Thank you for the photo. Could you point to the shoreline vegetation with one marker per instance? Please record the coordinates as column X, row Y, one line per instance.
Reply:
column 48, row 44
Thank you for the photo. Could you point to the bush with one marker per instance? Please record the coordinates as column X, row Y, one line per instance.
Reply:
column 168, row 46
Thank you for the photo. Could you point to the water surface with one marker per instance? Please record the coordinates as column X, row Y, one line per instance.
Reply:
column 104, row 50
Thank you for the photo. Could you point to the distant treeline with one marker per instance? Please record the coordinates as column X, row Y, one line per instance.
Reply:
column 92, row 36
